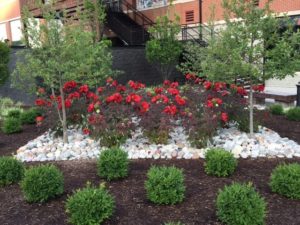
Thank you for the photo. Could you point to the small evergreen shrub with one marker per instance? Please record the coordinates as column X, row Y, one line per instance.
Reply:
column 14, row 113
column 29, row 116
column 90, row 206
column 285, row 180
column 165, row 185
column 113, row 164
column 219, row 162
column 276, row 109
column 11, row 170
column 293, row 114
column 11, row 125
column 240, row 204
column 41, row 183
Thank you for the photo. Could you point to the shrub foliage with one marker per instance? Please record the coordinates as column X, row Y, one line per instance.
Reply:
column 90, row 206
column 29, row 116
column 11, row 125
column 276, row 109
column 240, row 204
column 285, row 180
column 113, row 164
column 165, row 185
column 219, row 162
column 293, row 114
column 11, row 170
column 41, row 183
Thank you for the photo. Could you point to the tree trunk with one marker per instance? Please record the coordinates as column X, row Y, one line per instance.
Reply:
column 251, row 111
column 64, row 115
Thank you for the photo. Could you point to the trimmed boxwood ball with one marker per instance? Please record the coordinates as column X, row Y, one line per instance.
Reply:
column 42, row 182
column 11, row 125
column 219, row 162
column 165, row 185
column 11, row 170
column 276, row 109
column 240, row 204
column 285, row 180
column 113, row 164
column 293, row 114
column 90, row 206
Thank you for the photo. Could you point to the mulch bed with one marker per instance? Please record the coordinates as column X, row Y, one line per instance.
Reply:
column 132, row 207
column 280, row 124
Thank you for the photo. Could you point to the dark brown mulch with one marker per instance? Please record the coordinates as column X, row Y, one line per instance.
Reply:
column 132, row 207
column 280, row 124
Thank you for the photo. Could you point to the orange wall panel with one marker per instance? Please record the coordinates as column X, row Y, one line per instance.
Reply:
column 9, row 9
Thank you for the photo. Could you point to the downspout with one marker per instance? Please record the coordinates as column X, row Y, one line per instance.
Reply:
column 200, row 18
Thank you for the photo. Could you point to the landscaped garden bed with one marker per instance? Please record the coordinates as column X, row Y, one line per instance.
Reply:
column 132, row 206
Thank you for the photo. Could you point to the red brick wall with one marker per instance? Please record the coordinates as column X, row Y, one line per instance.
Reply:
column 278, row 6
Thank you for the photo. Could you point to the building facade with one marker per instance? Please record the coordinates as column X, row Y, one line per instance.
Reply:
column 10, row 21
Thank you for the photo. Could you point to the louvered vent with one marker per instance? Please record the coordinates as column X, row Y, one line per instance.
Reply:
column 189, row 16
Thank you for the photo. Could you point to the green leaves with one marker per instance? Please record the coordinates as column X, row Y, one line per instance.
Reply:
column 11, row 170
column 285, row 180
column 163, row 49
column 113, row 164
column 4, row 59
column 240, row 204
column 165, row 185
column 219, row 162
column 41, row 183
column 90, row 206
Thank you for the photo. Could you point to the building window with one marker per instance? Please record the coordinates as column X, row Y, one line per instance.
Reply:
column 3, row 34
column 189, row 16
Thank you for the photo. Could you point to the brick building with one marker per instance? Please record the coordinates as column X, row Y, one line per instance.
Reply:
column 10, row 21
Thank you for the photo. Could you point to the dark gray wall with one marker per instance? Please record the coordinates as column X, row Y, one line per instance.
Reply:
column 131, row 60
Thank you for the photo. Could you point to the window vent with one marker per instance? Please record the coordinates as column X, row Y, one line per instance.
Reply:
column 189, row 16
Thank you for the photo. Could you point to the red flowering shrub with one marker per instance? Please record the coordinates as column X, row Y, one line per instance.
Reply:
column 201, row 106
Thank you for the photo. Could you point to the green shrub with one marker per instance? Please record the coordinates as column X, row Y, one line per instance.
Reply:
column 157, row 136
column 29, row 116
column 42, row 182
column 285, row 180
column 276, row 109
column 240, row 204
column 11, row 170
column 4, row 59
column 90, row 206
column 219, row 162
column 165, row 185
column 11, row 125
column 14, row 113
column 6, row 102
column 113, row 164
column 293, row 114
column 112, row 139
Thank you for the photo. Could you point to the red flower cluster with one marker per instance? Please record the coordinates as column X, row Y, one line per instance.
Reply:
column 171, row 110
column 260, row 87
column 144, row 107
column 136, row 85
column 224, row 117
column 173, row 91
column 214, row 102
column 116, row 98
column 190, row 76
column 161, row 98
column 40, row 102
column 70, row 85
column 84, row 89
column 207, row 85
column 180, row 100
column 133, row 98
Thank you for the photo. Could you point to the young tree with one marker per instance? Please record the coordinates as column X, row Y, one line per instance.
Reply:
column 61, row 50
column 4, row 59
column 255, row 45
column 164, row 48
